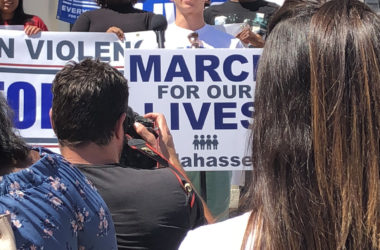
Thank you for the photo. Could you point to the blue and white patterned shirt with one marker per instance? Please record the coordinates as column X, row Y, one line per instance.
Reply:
column 54, row 206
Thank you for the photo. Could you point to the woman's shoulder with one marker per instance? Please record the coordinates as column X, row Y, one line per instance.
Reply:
column 227, row 234
column 50, row 201
column 49, row 166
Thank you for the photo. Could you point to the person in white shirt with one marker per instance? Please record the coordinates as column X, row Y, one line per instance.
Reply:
column 315, row 135
column 189, row 18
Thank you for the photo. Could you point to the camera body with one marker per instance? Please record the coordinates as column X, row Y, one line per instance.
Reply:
column 133, row 117
column 131, row 157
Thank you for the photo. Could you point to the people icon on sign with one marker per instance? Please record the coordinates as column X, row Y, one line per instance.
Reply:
column 208, row 142
column 215, row 142
column 196, row 142
column 200, row 142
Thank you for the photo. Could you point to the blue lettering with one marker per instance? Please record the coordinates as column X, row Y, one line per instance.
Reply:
column 183, row 72
column 118, row 51
column 246, row 161
column 162, row 89
column 1, row 86
column 46, row 101
column 247, row 110
column 220, row 115
column 212, row 161
column 235, row 161
column 227, row 68
column 201, row 67
column 81, row 55
column 99, row 50
column 213, row 94
column 197, row 123
column 148, row 108
column 8, row 50
column 223, row 161
column 49, row 55
column 29, row 104
column 174, row 116
column 34, row 54
column 198, row 161
column 71, row 48
column 136, row 62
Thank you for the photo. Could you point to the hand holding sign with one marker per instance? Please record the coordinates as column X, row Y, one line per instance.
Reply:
column 119, row 33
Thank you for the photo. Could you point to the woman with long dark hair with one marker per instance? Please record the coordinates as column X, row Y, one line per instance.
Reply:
column 12, row 13
column 51, row 204
column 315, row 136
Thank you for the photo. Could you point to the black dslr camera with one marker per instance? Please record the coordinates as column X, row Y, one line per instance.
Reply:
column 133, row 117
column 129, row 156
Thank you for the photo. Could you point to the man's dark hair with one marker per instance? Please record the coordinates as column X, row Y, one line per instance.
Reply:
column 88, row 99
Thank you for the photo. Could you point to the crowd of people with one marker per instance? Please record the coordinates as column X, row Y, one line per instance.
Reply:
column 314, row 139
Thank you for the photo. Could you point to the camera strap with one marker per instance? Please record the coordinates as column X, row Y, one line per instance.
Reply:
column 146, row 149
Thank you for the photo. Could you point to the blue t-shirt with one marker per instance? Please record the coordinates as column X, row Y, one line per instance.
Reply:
column 54, row 206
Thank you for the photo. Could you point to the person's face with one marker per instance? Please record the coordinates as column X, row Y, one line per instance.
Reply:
column 189, row 6
column 8, row 6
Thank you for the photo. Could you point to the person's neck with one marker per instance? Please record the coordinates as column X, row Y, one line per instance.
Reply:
column 122, row 8
column 7, row 16
column 190, row 22
column 91, row 154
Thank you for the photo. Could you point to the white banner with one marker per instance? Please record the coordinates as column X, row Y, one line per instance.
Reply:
column 28, row 66
column 206, row 96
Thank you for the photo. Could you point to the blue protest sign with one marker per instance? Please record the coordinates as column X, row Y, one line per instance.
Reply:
column 70, row 10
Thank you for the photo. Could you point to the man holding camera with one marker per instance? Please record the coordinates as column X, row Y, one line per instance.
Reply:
column 150, row 207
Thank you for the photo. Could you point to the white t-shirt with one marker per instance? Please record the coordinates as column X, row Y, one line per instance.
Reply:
column 176, row 38
column 225, row 235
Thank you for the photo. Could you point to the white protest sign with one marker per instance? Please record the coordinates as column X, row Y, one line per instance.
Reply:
column 202, row 92
column 11, row 27
column 28, row 66
column 206, row 96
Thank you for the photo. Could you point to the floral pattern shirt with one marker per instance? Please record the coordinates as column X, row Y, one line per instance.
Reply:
column 54, row 206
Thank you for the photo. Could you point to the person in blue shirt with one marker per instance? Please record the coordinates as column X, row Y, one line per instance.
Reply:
column 51, row 203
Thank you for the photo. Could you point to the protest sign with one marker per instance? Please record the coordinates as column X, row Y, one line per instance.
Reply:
column 28, row 66
column 206, row 96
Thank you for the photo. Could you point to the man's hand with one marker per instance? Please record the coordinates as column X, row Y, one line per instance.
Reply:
column 164, row 143
column 117, row 31
column 249, row 37
column 32, row 30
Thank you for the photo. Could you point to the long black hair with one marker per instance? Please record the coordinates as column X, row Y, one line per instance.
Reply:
column 12, row 148
column 316, row 130
column 20, row 17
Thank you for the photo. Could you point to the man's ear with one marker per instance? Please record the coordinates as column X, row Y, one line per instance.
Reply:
column 51, row 118
column 119, row 128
